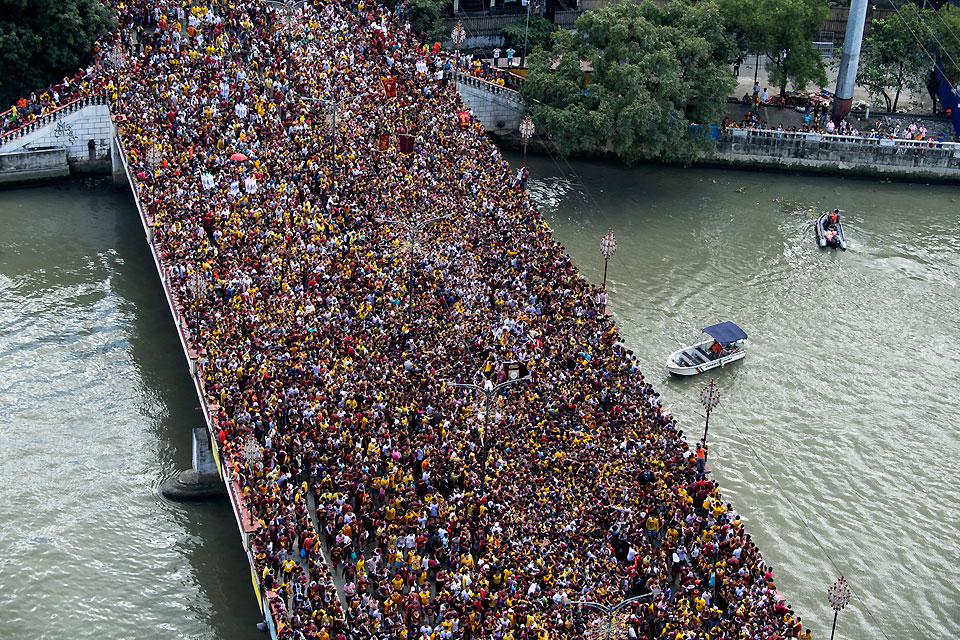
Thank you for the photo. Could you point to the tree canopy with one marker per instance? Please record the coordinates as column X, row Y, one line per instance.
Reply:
column 783, row 31
column 44, row 40
column 893, row 59
column 426, row 17
column 537, row 36
column 652, row 71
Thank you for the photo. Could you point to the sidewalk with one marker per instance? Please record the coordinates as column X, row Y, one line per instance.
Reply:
column 909, row 102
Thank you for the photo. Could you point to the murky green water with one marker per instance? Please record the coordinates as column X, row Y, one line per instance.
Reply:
column 837, row 436
column 96, row 411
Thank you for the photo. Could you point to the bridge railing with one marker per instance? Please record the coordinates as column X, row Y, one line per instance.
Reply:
column 50, row 117
column 810, row 137
column 486, row 85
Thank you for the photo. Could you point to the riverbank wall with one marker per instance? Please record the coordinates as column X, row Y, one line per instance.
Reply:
column 837, row 155
column 72, row 140
column 781, row 151
column 246, row 523
column 38, row 165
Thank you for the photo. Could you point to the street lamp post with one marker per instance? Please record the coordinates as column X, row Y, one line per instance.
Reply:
column 526, row 132
column 516, row 372
column 413, row 229
column 608, row 244
column 839, row 596
column 117, row 57
column 252, row 452
column 198, row 286
column 710, row 398
column 153, row 156
column 289, row 8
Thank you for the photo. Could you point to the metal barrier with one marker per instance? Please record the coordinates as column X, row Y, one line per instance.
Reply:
column 805, row 136
column 872, row 154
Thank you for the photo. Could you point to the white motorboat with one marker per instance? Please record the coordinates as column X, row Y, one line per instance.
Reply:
column 700, row 357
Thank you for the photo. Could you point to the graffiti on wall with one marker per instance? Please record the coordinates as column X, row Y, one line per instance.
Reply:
column 64, row 130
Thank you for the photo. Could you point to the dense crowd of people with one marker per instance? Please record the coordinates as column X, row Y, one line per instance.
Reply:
column 281, row 159
column 29, row 108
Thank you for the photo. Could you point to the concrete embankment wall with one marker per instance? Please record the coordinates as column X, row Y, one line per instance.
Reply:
column 245, row 522
column 939, row 161
column 83, row 131
column 22, row 167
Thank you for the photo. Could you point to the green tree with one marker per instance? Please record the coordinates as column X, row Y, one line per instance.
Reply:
column 783, row 31
column 653, row 70
column 746, row 25
column 946, row 27
column 790, row 53
column 426, row 17
column 43, row 40
column 538, row 36
column 893, row 59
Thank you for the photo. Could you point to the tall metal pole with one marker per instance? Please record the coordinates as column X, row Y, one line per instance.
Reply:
column 413, row 230
column 333, row 134
column 487, row 407
column 489, row 395
column 412, row 240
column 833, row 629
column 706, row 427
column 608, row 244
column 526, row 31
column 526, row 131
column 847, row 78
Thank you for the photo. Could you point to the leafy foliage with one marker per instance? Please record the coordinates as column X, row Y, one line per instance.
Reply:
column 538, row 36
column 426, row 17
column 782, row 30
column 43, row 40
column 653, row 71
column 893, row 59
column 946, row 28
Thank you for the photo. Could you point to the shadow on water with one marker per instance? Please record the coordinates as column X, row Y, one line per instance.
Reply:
column 211, row 542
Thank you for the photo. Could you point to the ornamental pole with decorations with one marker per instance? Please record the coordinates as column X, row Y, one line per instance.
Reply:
column 458, row 35
column 608, row 244
column 526, row 132
column 710, row 398
column 839, row 596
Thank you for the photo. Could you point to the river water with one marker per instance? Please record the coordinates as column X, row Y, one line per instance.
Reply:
column 836, row 437
column 96, row 411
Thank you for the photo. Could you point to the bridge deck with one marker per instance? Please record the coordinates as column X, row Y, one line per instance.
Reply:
column 350, row 244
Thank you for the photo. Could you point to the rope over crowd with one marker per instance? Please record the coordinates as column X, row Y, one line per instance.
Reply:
column 370, row 519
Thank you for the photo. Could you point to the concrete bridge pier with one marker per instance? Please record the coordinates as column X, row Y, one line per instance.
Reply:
column 202, row 480
column 117, row 170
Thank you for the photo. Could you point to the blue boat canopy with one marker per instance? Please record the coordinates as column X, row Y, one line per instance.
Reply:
column 725, row 332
